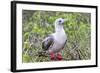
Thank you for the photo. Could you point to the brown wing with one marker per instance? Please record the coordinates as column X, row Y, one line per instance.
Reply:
column 47, row 42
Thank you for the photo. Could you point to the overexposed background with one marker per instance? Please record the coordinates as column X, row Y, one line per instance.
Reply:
column 5, row 36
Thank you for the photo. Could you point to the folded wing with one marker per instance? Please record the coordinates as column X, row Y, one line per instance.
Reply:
column 47, row 42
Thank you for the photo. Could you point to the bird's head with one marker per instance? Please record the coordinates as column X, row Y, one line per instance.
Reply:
column 60, row 21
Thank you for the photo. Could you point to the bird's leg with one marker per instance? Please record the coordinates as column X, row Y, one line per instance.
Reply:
column 59, row 56
column 52, row 56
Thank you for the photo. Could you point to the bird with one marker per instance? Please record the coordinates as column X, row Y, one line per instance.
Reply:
column 55, row 42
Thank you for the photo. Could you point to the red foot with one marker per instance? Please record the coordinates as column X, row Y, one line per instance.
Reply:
column 52, row 56
column 59, row 56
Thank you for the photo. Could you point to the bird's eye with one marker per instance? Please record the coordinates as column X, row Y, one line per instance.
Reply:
column 59, row 20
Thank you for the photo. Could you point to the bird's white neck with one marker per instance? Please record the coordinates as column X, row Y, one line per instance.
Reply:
column 59, row 28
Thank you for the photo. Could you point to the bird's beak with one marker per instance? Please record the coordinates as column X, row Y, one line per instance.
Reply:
column 65, row 20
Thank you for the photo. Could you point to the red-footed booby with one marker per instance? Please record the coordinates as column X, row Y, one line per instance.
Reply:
column 54, row 43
